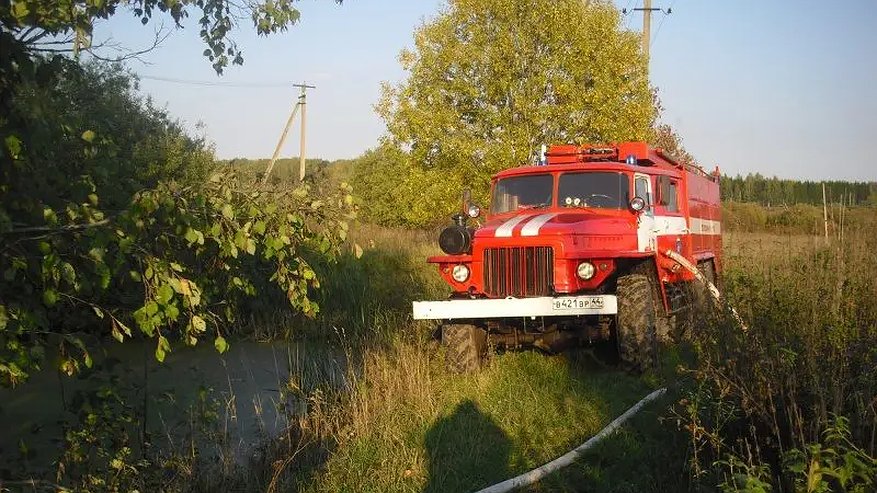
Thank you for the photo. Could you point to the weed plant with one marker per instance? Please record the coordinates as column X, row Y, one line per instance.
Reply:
column 791, row 403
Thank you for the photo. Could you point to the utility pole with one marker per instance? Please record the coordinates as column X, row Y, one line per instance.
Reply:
column 280, row 143
column 825, row 211
column 647, row 10
column 301, row 103
column 647, row 27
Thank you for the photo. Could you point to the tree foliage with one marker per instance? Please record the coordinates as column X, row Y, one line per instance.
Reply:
column 113, row 221
column 490, row 81
column 666, row 138
column 45, row 26
column 127, row 228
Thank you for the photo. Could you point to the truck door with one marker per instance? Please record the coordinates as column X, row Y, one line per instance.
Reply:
column 645, row 231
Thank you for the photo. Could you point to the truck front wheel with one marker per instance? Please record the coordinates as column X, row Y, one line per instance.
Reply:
column 465, row 347
column 636, row 321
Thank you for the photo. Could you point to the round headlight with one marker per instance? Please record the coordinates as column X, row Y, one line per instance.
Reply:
column 473, row 211
column 586, row 270
column 460, row 273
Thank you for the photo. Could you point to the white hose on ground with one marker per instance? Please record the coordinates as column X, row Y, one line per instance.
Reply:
column 684, row 262
column 540, row 472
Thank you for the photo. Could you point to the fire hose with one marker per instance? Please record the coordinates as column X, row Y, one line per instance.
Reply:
column 713, row 290
column 540, row 472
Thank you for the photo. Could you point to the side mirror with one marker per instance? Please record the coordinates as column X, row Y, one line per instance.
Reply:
column 637, row 204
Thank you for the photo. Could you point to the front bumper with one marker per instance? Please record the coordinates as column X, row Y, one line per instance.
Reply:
column 546, row 306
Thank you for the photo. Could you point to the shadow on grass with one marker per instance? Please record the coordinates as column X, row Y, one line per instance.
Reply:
column 648, row 453
column 466, row 450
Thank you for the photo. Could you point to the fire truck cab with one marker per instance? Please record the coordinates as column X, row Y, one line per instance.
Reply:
column 574, row 249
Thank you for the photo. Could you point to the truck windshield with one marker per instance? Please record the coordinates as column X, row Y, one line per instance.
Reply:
column 605, row 190
column 522, row 192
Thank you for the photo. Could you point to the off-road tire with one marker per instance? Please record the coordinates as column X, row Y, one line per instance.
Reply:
column 702, row 299
column 465, row 347
column 700, row 302
column 708, row 269
column 635, row 327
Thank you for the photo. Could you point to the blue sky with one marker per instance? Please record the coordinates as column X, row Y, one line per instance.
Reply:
column 780, row 88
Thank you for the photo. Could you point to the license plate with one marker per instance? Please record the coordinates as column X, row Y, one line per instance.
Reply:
column 578, row 303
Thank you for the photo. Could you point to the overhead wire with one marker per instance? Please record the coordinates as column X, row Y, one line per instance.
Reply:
column 206, row 83
column 661, row 24
column 626, row 13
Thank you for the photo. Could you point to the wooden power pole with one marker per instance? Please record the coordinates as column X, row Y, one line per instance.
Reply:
column 647, row 10
column 647, row 27
column 300, row 104
column 302, row 101
column 825, row 211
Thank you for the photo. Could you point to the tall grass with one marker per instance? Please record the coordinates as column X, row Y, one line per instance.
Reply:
column 792, row 400
column 406, row 424
column 766, row 401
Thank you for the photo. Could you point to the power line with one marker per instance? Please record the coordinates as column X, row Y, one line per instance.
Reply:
column 658, row 31
column 626, row 14
column 207, row 83
column 647, row 10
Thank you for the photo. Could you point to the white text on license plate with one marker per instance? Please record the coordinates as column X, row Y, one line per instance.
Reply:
column 593, row 303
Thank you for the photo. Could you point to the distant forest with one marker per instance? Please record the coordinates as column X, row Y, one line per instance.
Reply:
column 776, row 191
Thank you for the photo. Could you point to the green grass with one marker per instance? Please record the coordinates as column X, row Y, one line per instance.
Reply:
column 407, row 424
column 411, row 426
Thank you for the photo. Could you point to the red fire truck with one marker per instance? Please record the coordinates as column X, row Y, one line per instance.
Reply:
column 577, row 248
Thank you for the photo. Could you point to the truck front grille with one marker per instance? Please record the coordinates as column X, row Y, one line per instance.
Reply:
column 518, row 271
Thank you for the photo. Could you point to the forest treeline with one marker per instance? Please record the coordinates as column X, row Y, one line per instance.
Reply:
column 775, row 191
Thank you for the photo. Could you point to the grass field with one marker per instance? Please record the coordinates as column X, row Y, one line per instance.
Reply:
column 791, row 403
column 409, row 425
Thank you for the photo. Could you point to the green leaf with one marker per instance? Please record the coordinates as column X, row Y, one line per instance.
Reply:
column 98, row 312
column 50, row 216
column 198, row 324
column 13, row 143
column 117, row 335
column 194, row 236
column 88, row 136
column 124, row 328
column 227, row 212
column 68, row 273
column 161, row 349
column 151, row 308
column 164, row 294
column 50, row 297
column 220, row 344
column 172, row 312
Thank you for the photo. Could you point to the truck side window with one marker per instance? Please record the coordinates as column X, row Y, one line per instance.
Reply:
column 642, row 190
column 672, row 205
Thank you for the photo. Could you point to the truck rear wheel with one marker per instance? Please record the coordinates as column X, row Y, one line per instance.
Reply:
column 465, row 347
column 636, row 322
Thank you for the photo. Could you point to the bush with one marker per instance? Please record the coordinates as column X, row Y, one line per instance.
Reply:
column 109, row 222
